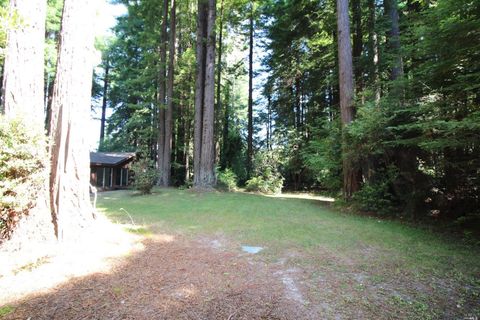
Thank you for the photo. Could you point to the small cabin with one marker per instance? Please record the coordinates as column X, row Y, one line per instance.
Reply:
column 110, row 170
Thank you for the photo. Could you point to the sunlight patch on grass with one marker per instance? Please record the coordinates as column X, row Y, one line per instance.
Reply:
column 139, row 230
column 305, row 196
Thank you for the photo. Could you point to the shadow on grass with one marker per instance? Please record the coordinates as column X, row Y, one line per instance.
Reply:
column 167, row 280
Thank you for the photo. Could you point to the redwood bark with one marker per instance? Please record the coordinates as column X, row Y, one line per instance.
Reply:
column 350, row 175
column 199, row 88
column 250, row 96
column 70, row 164
column 391, row 10
column 218, row 106
column 22, row 93
column 357, row 43
column 167, row 151
column 204, row 144
column 207, row 162
column 162, row 96
column 23, row 85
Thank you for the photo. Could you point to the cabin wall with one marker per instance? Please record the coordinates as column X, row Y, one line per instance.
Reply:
column 110, row 178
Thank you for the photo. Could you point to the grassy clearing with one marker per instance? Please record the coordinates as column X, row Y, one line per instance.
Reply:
column 282, row 223
column 413, row 268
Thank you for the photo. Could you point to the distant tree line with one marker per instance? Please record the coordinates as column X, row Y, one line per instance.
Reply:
column 375, row 99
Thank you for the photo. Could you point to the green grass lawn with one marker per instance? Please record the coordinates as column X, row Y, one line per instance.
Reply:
column 280, row 223
column 375, row 247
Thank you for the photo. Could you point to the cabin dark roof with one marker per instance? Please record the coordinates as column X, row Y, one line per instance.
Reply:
column 110, row 158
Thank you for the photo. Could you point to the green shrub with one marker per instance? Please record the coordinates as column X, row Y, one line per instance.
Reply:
column 227, row 180
column 269, row 182
column 376, row 196
column 267, row 177
column 145, row 175
column 187, row 185
column 322, row 155
column 23, row 170
column 256, row 184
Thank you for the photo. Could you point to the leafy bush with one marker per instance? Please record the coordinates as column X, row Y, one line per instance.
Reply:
column 187, row 185
column 23, row 170
column 145, row 175
column 227, row 180
column 269, row 182
column 376, row 196
column 322, row 155
column 256, row 184
column 267, row 177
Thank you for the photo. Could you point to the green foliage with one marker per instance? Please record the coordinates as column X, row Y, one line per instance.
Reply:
column 7, row 21
column 322, row 155
column 376, row 195
column 267, row 177
column 227, row 180
column 145, row 175
column 23, row 162
column 268, row 184
column 424, row 125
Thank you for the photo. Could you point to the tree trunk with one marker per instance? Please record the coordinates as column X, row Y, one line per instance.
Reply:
column 182, row 113
column 207, row 162
column 22, row 89
column 218, row 106
column 350, row 175
column 199, row 88
column 70, row 169
column 204, row 144
column 224, row 163
column 162, row 96
column 357, row 43
column 167, row 151
column 373, row 52
column 250, row 97
column 391, row 10
column 104, row 103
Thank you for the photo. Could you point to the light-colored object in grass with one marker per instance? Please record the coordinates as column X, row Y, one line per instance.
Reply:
column 131, row 219
column 250, row 249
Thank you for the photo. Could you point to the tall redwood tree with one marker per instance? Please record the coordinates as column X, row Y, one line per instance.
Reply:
column 22, row 98
column 70, row 169
column 350, row 174
column 22, row 89
column 204, row 145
